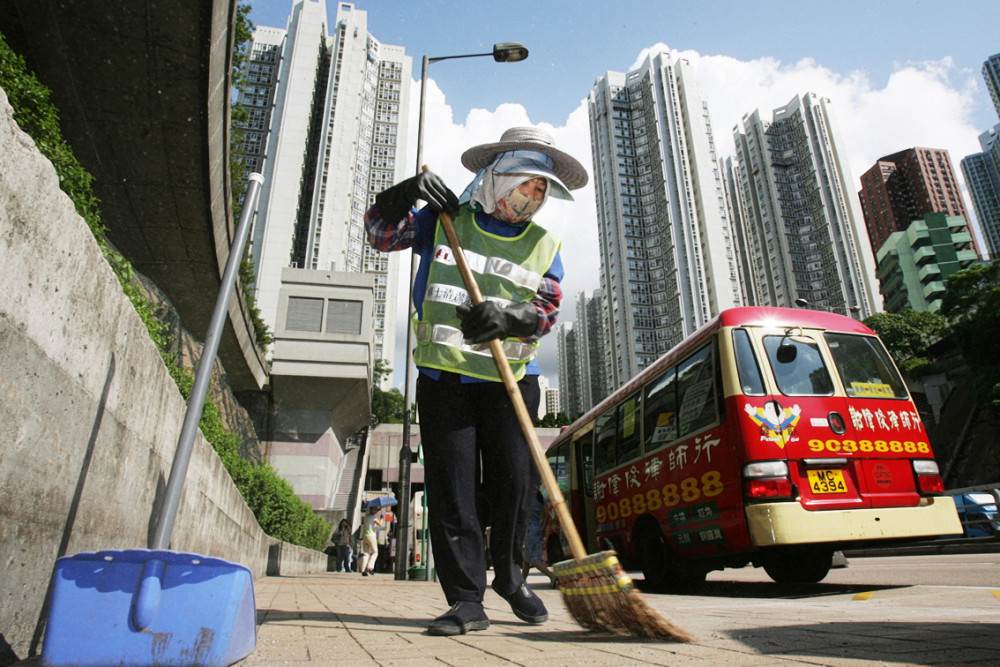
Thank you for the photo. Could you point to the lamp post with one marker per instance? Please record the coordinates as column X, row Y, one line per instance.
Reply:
column 504, row 52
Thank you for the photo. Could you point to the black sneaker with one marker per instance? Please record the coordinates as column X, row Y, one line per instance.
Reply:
column 526, row 605
column 462, row 617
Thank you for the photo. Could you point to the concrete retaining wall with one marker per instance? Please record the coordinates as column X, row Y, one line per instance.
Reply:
column 89, row 416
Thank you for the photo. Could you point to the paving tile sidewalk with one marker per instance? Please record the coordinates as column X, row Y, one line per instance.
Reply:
column 338, row 619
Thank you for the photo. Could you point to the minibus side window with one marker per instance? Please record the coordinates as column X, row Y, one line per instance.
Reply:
column 865, row 366
column 604, row 450
column 696, row 378
column 628, row 428
column 557, row 461
column 800, row 374
column 660, row 411
column 751, row 381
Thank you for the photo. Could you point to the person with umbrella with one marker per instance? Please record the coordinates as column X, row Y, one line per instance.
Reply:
column 369, row 543
column 473, row 443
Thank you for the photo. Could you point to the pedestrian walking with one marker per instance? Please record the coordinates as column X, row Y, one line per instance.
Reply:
column 369, row 541
column 342, row 541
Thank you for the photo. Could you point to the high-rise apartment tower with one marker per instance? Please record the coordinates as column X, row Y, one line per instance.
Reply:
column 799, row 218
column 592, row 345
column 571, row 370
column 582, row 347
column 327, row 129
column 982, row 170
column 991, row 72
column 667, row 258
column 982, row 175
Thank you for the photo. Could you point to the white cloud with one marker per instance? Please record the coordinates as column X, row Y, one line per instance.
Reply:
column 928, row 104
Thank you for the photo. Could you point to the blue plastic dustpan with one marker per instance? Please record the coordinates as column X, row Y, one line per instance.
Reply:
column 142, row 607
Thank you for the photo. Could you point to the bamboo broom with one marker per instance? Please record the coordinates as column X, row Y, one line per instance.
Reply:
column 596, row 590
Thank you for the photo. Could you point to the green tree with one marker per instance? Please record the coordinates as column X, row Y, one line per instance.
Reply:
column 972, row 305
column 907, row 335
column 554, row 420
column 387, row 406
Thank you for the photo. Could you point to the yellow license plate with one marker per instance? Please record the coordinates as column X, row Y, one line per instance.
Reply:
column 827, row 481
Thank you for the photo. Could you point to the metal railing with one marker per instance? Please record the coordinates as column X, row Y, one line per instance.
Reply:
column 991, row 526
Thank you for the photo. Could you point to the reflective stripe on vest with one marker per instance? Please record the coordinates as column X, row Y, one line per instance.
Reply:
column 508, row 270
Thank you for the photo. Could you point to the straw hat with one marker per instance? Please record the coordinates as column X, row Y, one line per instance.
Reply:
column 565, row 166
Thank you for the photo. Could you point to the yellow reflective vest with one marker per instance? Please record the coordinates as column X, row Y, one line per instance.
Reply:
column 508, row 270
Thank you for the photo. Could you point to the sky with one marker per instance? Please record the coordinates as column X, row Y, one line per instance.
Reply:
column 899, row 74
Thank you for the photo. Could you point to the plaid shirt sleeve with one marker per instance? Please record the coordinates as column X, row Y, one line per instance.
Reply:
column 386, row 236
column 546, row 301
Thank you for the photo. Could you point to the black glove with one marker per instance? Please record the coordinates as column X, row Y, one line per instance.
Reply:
column 395, row 202
column 489, row 320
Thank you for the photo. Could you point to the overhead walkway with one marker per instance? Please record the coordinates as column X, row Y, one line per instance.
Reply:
column 143, row 92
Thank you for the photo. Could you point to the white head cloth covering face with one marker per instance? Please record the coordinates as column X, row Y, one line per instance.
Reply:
column 506, row 172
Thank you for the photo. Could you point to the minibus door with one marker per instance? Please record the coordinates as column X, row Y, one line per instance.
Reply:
column 583, row 457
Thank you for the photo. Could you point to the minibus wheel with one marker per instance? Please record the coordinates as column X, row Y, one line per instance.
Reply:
column 798, row 565
column 663, row 570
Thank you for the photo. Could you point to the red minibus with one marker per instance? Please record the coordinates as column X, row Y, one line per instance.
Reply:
column 770, row 436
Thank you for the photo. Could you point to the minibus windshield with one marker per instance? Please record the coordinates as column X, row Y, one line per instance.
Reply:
column 801, row 373
column 865, row 366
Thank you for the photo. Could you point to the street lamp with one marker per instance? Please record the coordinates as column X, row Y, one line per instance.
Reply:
column 503, row 52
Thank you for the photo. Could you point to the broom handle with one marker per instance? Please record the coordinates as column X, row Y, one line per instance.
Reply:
column 496, row 347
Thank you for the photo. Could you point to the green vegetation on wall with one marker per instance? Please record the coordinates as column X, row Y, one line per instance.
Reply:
column 279, row 512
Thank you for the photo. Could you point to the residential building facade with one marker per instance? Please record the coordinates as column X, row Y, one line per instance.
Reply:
column 667, row 257
column 802, row 226
column 582, row 356
column 982, row 175
column 551, row 401
column 592, row 348
column 914, row 264
column 570, row 369
column 903, row 187
column 327, row 128
column 991, row 73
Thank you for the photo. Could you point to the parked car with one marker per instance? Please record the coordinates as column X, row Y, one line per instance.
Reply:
column 978, row 513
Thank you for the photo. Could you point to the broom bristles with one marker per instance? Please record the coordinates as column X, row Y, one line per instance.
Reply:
column 600, row 596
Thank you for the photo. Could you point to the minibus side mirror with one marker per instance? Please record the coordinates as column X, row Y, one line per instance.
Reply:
column 786, row 353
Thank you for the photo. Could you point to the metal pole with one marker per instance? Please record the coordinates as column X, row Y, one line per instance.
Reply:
column 196, row 404
column 405, row 451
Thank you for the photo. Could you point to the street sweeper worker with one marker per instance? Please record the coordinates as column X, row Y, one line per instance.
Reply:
column 478, row 467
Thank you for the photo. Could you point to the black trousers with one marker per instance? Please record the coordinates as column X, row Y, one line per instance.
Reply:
column 478, row 471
